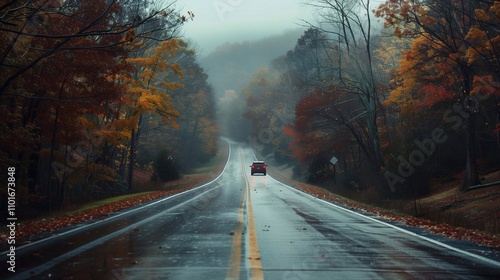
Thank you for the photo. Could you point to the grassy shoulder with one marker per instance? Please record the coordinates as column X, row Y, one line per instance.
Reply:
column 145, row 191
column 476, row 209
column 99, row 203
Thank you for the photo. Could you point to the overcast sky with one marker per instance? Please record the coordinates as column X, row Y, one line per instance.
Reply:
column 219, row 21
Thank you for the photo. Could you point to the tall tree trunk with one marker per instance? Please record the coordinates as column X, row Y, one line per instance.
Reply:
column 51, row 159
column 471, row 172
column 131, row 163
column 134, row 137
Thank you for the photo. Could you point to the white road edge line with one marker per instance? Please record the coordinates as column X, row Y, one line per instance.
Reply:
column 87, row 246
column 123, row 213
column 484, row 259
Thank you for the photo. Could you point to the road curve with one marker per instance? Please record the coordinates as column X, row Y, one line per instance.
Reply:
column 246, row 227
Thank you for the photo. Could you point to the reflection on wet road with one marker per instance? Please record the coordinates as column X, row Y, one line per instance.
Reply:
column 246, row 227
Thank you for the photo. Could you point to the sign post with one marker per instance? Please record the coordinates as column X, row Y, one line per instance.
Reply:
column 334, row 161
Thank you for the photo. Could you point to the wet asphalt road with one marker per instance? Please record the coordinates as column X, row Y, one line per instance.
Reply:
column 248, row 227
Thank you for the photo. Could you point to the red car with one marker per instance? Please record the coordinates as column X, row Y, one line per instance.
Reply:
column 258, row 167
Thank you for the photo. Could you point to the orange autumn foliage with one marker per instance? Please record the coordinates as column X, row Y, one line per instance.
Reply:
column 444, row 54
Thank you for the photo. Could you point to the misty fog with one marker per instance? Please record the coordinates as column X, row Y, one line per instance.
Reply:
column 231, row 65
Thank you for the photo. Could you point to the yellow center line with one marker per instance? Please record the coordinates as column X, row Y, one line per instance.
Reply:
column 256, row 272
column 255, row 265
column 233, row 272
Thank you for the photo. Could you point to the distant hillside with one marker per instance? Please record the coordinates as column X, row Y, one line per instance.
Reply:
column 232, row 65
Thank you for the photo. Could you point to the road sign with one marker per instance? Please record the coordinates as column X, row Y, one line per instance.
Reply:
column 334, row 160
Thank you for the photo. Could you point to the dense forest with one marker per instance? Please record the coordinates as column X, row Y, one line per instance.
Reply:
column 384, row 96
column 396, row 95
column 91, row 91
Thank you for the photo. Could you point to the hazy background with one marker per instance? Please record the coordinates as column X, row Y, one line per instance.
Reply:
column 219, row 21
column 234, row 38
